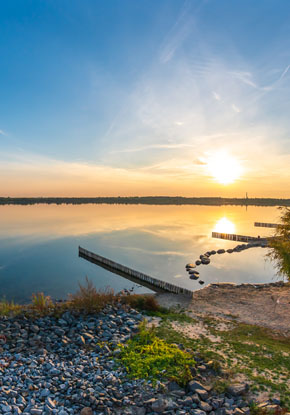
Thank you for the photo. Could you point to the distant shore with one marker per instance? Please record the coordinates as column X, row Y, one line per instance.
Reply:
column 146, row 200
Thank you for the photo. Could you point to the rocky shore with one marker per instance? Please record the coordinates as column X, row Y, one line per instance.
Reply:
column 67, row 365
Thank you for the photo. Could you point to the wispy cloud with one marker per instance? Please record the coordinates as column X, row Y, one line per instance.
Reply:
column 2, row 132
column 178, row 33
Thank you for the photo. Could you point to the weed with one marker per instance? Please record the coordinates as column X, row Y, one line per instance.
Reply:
column 88, row 299
column 41, row 303
column 7, row 308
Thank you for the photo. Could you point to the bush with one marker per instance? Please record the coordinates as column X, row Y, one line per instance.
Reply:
column 146, row 302
column 280, row 245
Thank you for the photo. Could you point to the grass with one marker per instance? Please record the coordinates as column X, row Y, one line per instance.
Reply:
column 147, row 356
column 7, row 308
column 40, row 302
column 86, row 300
column 90, row 300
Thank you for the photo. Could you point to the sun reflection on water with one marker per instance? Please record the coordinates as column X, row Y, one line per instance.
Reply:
column 225, row 226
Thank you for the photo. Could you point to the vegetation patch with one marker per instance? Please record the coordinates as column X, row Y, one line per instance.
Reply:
column 147, row 356
column 245, row 351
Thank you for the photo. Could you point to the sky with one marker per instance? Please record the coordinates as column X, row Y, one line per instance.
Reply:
column 126, row 97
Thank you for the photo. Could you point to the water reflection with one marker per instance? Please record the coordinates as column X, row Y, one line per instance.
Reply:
column 224, row 226
column 39, row 245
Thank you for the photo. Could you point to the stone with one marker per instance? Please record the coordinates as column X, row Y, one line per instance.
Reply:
column 86, row 411
column 237, row 389
column 198, row 412
column 205, row 406
column 172, row 386
column 193, row 385
column 137, row 410
column 202, row 393
column 159, row 405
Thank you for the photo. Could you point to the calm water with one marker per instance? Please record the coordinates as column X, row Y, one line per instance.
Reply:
column 39, row 245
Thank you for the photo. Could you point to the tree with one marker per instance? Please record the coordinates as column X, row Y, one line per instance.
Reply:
column 280, row 245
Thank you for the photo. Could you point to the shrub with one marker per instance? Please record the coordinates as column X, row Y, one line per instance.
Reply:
column 89, row 299
column 148, row 356
column 146, row 302
column 280, row 245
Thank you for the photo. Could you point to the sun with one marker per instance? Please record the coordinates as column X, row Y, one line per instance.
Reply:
column 224, row 168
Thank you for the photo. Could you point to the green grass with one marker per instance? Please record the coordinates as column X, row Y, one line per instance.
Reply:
column 147, row 356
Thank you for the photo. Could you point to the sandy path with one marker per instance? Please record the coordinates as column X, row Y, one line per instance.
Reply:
column 266, row 305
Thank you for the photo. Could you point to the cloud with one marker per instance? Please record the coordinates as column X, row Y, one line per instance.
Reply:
column 178, row 33
column 2, row 132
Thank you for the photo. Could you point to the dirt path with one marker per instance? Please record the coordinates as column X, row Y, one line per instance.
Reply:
column 266, row 305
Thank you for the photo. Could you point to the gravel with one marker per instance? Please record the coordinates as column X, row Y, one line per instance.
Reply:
column 67, row 366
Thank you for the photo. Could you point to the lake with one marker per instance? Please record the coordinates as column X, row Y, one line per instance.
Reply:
column 39, row 245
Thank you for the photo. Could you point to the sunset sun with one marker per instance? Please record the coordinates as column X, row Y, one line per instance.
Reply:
column 224, row 168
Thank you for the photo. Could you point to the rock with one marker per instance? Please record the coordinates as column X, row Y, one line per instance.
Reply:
column 187, row 401
column 193, row 385
column 198, row 262
column 86, row 411
column 205, row 406
column 173, row 386
column 138, row 410
column 237, row 389
column 35, row 411
column 202, row 393
column 159, row 405
column 194, row 277
column 195, row 398
column 238, row 411
column 198, row 412
column 221, row 251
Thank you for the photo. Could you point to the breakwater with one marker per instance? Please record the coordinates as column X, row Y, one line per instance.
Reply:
column 266, row 225
column 240, row 238
column 138, row 277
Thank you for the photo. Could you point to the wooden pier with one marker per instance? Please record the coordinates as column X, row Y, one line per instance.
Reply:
column 240, row 238
column 266, row 225
column 133, row 275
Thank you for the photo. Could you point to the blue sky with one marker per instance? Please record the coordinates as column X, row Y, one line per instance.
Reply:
column 135, row 97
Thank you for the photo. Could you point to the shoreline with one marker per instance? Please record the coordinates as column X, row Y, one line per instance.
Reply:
column 147, row 200
column 265, row 305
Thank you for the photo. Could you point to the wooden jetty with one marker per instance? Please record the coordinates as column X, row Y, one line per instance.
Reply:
column 133, row 275
column 240, row 238
column 266, row 225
